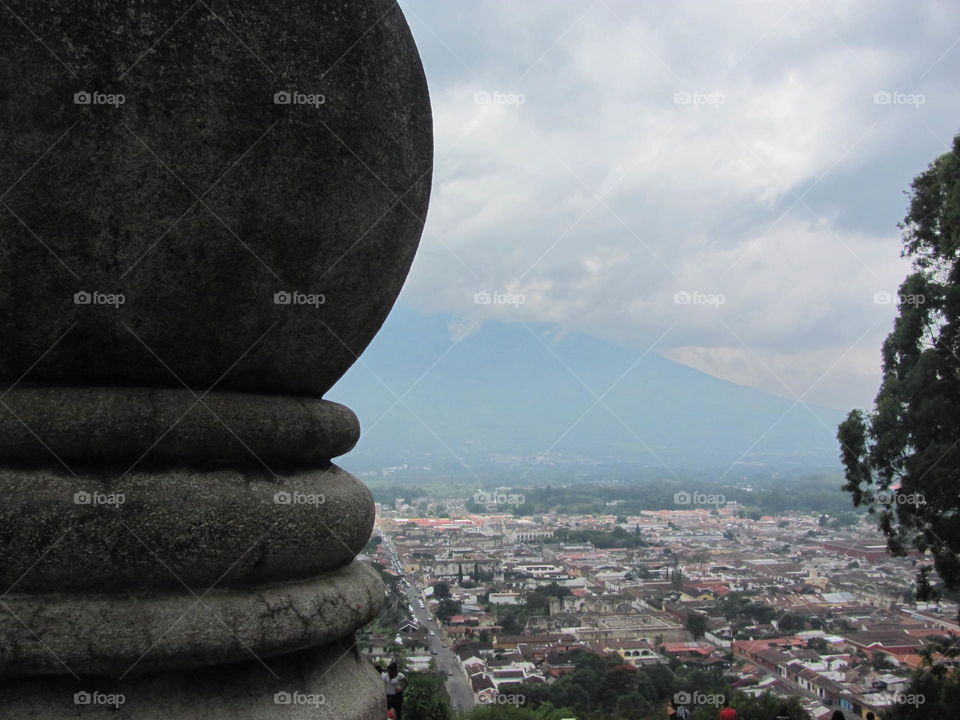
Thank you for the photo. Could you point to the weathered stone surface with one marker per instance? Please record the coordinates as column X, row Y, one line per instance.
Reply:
column 332, row 682
column 200, row 198
column 114, row 636
column 164, row 530
column 181, row 211
column 146, row 425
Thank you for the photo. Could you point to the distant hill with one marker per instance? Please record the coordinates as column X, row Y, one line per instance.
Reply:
column 501, row 398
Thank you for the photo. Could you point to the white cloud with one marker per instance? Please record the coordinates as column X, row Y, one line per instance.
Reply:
column 599, row 196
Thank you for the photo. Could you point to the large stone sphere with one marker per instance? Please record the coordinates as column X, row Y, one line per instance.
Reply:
column 222, row 193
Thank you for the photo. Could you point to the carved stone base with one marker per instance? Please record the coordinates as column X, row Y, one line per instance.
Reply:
column 118, row 635
column 330, row 682
column 154, row 564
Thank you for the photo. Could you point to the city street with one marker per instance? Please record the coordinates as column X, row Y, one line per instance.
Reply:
column 461, row 696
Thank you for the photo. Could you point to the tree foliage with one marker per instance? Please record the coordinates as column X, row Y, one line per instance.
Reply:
column 448, row 608
column 544, row 712
column 425, row 698
column 697, row 625
column 765, row 706
column 616, row 538
column 604, row 688
column 902, row 459
column 932, row 694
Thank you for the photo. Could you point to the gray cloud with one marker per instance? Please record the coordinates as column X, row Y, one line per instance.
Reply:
column 600, row 158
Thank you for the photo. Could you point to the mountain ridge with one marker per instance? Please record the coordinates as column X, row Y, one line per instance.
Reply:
column 506, row 394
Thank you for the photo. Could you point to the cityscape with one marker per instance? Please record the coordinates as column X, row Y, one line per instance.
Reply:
column 479, row 360
column 799, row 606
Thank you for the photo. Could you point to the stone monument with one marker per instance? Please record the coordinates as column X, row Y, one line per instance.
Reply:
column 206, row 212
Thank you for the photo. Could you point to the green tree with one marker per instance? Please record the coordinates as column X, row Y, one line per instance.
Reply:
column 932, row 694
column 697, row 625
column 762, row 707
column 447, row 609
column 676, row 579
column 538, row 602
column 555, row 590
column 902, row 459
column 792, row 622
column 546, row 711
column 425, row 698
column 923, row 589
column 512, row 620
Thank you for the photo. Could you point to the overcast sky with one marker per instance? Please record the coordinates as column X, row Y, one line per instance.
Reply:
column 598, row 158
